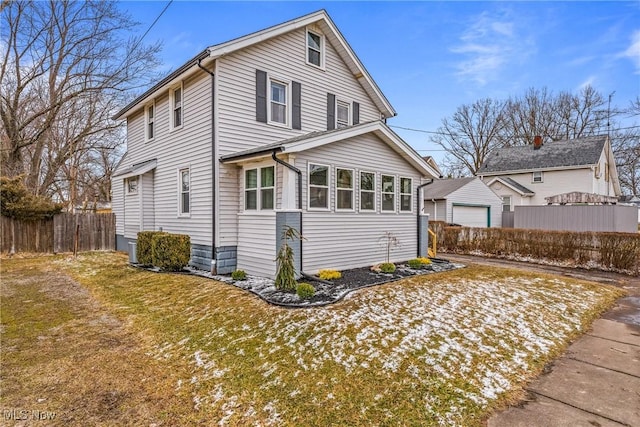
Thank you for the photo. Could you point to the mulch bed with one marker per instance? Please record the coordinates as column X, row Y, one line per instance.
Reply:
column 326, row 292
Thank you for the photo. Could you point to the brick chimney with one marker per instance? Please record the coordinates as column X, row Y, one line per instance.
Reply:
column 537, row 142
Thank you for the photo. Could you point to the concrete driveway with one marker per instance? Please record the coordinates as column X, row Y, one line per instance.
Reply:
column 597, row 381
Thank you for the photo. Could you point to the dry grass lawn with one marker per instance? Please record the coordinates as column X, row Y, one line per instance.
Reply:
column 99, row 342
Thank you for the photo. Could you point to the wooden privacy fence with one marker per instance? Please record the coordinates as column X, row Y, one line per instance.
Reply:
column 65, row 232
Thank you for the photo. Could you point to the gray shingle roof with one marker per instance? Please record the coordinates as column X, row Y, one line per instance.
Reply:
column 574, row 152
column 441, row 188
column 516, row 185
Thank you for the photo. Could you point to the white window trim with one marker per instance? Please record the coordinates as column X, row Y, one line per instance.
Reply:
column 382, row 193
column 288, row 105
column 349, row 112
column 180, row 213
column 126, row 185
column 400, row 194
column 328, row 187
column 172, row 127
column 322, row 49
column 353, row 189
column 374, row 191
column 258, row 168
column 533, row 177
column 152, row 105
column 510, row 202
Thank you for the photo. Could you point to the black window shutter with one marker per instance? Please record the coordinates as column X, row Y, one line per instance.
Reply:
column 331, row 111
column 356, row 113
column 296, row 110
column 261, row 96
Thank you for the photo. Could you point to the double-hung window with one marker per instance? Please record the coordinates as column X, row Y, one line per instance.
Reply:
column 132, row 185
column 388, row 193
column 314, row 49
column 367, row 191
column 406, row 199
column 318, row 186
column 259, row 188
column 537, row 176
column 344, row 189
column 184, row 175
column 177, row 101
column 150, row 113
column 278, row 102
column 342, row 114
column 506, row 203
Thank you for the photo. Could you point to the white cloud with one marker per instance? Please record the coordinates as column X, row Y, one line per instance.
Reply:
column 633, row 51
column 589, row 81
column 488, row 45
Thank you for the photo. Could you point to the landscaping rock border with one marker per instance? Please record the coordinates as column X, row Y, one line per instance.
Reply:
column 326, row 292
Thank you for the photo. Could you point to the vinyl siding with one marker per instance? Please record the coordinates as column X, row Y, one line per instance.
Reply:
column 554, row 182
column 476, row 193
column 351, row 239
column 189, row 146
column 148, row 208
column 257, row 244
column 437, row 210
column 283, row 58
column 132, row 215
column 117, row 203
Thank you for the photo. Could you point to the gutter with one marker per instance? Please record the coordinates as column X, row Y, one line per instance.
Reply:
column 213, row 163
column 299, row 173
column 420, row 201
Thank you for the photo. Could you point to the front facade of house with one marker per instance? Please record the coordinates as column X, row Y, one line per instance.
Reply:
column 528, row 175
column 280, row 127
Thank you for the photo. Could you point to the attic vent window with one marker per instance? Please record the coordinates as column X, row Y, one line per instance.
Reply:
column 315, row 49
column 537, row 176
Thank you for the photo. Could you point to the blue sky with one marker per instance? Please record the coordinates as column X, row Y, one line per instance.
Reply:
column 431, row 57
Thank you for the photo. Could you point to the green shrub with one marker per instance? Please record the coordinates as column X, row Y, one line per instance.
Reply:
column 171, row 252
column 305, row 290
column 16, row 201
column 416, row 263
column 144, row 252
column 239, row 275
column 329, row 274
column 387, row 267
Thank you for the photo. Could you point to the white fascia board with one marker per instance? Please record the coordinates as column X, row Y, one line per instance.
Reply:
column 380, row 130
column 225, row 48
column 516, row 189
column 369, row 85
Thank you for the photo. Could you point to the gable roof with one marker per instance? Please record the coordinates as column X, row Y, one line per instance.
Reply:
column 513, row 184
column 320, row 18
column 441, row 188
column 554, row 155
column 318, row 139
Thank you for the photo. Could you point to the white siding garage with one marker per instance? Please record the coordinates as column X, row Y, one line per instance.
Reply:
column 465, row 201
column 471, row 216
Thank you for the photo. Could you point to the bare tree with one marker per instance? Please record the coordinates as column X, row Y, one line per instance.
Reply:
column 470, row 134
column 65, row 67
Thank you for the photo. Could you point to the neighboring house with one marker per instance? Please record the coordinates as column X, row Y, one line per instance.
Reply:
column 527, row 175
column 280, row 127
column 633, row 200
column 432, row 162
column 465, row 201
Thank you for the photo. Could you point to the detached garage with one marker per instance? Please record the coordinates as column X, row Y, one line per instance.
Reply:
column 465, row 201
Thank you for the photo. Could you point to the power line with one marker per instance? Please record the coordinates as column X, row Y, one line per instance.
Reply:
column 152, row 25
column 449, row 134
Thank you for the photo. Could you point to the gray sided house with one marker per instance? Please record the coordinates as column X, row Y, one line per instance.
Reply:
column 528, row 175
column 465, row 201
column 280, row 127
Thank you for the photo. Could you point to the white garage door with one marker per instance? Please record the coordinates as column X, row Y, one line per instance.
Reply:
column 471, row 216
